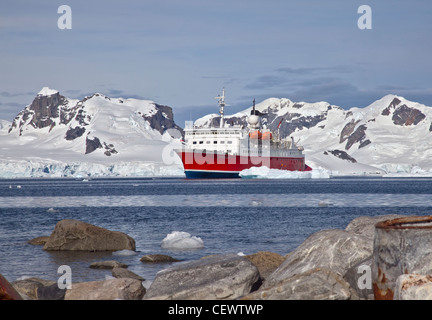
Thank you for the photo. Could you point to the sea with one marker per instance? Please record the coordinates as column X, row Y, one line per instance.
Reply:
column 240, row 216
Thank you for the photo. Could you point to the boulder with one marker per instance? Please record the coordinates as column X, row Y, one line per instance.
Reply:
column 214, row 277
column 109, row 264
column 336, row 250
column 266, row 262
column 125, row 273
column 39, row 241
column 77, row 235
column 28, row 288
column 413, row 287
column 314, row 284
column 122, row 289
column 157, row 258
column 365, row 225
column 52, row 292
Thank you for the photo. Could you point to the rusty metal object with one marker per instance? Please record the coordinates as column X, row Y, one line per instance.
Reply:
column 401, row 246
column 7, row 292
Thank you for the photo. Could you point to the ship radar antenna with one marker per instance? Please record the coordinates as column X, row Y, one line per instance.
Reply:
column 221, row 101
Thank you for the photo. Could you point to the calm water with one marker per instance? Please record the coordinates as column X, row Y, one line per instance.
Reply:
column 230, row 216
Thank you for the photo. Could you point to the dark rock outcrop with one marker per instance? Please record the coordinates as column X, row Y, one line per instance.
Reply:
column 392, row 105
column 162, row 120
column 358, row 135
column 342, row 155
column 92, row 145
column 348, row 130
column 406, row 116
column 74, row 133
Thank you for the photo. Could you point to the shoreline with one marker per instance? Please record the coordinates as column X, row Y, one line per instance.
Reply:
column 267, row 270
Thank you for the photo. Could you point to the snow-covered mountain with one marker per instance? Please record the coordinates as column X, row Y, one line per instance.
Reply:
column 98, row 135
column 56, row 136
column 392, row 135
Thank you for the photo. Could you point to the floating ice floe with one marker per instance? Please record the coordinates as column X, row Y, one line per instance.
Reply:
column 181, row 240
column 124, row 252
column 267, row 173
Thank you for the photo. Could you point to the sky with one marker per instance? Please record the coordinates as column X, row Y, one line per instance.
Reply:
column 182, row 53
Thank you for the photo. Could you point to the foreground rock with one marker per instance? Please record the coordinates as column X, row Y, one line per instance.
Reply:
column 266, row 262
column 335, row 250
column 329, row 264
column 52, row 292
column 125, row 273
column 78, row 235
column 214, row 277
column 114, row 289
column 315, row 284
column 29, row 288
column 365, row 226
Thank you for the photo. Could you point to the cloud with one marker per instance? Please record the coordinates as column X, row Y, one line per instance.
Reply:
column 283, row 76
column 266, row 82
column 11, row 95
column 316, row 70
column 115, row 92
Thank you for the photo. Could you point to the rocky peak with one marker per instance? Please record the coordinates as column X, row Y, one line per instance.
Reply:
column 46, row 110
column 403, row 115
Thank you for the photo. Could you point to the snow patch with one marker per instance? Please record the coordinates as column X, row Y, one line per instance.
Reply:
column 47, row 92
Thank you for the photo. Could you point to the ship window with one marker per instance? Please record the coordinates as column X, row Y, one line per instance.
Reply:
column 222, row 142
column 208, row 142
column 201, row 142
column 229, row 142
column 215, row 142
column 194, row 142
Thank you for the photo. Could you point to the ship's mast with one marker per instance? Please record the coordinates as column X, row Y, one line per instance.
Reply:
column 221, row 101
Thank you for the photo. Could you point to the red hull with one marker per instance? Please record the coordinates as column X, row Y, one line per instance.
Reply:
column 197, row 165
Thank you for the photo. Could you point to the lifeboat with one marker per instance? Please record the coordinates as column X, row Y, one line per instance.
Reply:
column 255, row 135
column 267, row 135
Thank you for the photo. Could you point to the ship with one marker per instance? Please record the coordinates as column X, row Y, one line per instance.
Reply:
column 226, row 150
